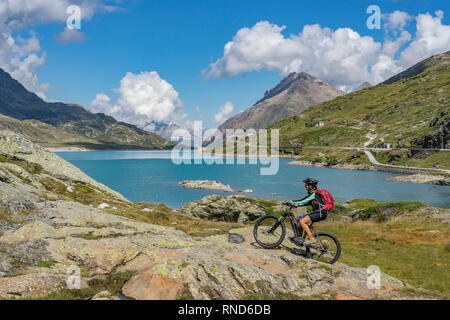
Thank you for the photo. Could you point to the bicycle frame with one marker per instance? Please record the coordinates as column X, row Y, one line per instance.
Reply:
column 295, row 227
column 298, row 230
column 319, row 248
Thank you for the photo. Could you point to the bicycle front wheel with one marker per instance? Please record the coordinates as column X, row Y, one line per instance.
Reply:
column 269, row 233
column 327, row 248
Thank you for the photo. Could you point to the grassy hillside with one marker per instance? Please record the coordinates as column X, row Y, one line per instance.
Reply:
column 45, row 134
column 99, row 130
column 402, row 157
column 50, row 136
column 406, row 113
column 432, row 63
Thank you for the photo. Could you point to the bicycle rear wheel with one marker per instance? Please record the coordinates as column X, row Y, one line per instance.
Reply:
column 269, row 233
column 326, row 249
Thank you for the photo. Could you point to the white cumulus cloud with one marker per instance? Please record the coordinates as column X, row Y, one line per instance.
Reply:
column 391, row 47
column 432, row 37
column 142, row 98
column 396, row 20
column 341, row 57
column 18, row 14
column 224, row 112
column 21, row 57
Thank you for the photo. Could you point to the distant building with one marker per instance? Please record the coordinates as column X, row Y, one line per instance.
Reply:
column 315, row 125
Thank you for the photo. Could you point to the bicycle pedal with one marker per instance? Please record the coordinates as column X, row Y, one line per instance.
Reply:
column 297, row 241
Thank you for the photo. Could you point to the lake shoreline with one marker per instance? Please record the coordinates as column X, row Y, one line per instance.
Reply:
column 338, row 166
column 420, row 178
column 157, row 181
column 68, row 149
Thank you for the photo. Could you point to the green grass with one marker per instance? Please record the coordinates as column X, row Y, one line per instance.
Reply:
column 441, row 159
column 16, row 218
column 32, row 168
column 112, row 283
column 45, row 264
column 397, row 157
column 402, row 157
column 332, row 157
column 401, row 206
column 380, row 211
column 361, row 203
column 83, row 188
column 54, row 186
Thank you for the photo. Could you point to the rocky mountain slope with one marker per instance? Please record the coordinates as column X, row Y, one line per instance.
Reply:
column 436, row 62
column 412, row 112
column 25, row 165
column 291, row 96
column 53, row 217
column 18, row 103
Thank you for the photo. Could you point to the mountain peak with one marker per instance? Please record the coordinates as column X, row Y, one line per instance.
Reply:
column 294, row 94
column 297, row 78
column 302, row 74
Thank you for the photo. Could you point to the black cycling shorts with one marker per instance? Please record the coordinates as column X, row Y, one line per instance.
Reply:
column 316, row 216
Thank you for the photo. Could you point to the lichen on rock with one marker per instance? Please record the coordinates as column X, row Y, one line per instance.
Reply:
column 229, row 209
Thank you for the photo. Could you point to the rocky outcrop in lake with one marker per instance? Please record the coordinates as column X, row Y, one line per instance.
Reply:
column 210, row 185
column 423, row 178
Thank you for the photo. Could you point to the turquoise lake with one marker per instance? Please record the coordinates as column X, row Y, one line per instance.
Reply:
column 152, row 176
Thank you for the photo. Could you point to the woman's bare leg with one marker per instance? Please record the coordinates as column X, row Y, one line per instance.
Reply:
column 305, row 223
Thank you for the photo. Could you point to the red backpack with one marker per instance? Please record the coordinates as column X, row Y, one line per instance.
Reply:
column 327, row 199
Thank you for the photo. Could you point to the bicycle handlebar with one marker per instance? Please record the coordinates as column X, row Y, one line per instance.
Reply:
column 287, row 203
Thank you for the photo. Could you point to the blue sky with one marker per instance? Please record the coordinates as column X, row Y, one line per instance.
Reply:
column 179, row 39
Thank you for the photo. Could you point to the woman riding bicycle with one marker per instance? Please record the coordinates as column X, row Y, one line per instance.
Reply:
column 317, row 202
column 270, row 230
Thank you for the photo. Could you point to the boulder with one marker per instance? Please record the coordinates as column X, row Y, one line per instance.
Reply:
column 229, row 209
column 104, row 206
column 103, row 295
column 211, row 185
column 205, row 184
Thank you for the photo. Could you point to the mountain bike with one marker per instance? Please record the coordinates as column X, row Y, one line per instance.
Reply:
column 269, row 232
